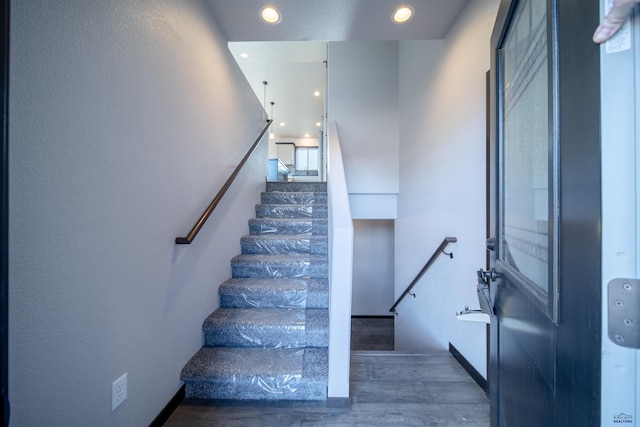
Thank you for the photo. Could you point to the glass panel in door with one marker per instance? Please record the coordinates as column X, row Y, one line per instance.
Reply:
column 527, row 148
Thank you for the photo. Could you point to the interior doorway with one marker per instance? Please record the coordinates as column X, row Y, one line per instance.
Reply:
column 372, row 326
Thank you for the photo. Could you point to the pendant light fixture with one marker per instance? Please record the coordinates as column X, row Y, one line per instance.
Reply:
column 272, row 135
column 264, row 100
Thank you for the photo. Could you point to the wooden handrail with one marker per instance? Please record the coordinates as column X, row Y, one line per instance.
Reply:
column 203, row 218
column 435, row 255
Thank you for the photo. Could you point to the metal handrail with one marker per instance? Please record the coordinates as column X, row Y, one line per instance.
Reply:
column 433, row 258
column 203, row 218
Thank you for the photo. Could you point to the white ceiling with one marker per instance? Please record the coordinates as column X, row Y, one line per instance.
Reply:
column 334, row 20
column 290, row 55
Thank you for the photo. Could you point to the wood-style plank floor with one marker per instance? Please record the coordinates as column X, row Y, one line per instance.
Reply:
column 387, row 389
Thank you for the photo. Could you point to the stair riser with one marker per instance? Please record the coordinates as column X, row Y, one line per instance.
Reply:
column 294, row 198
column 240, row 336
column 266, row 328
column 291, row 211
column 254, row 390
column 298, row 300
column 315, row 187
column 314, row 245
column 314, row 270
column 316, row 227
column 247, row 300
column 270, row 293
column 271, row 338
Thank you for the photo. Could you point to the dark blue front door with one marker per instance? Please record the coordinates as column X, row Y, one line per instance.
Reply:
column 544, row 216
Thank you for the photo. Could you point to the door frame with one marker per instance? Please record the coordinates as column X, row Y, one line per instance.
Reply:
column 578, row 331
column 620, row 62
column 4, row 212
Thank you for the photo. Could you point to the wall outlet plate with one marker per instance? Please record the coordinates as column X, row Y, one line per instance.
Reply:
column 118, row 391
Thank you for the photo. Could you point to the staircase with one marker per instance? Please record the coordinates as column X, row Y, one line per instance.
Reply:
column 269, row 338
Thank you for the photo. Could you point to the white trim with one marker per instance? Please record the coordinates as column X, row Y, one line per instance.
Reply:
column 620, row 141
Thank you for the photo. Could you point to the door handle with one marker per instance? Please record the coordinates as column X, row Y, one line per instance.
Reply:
column 492, row 275
column 491, row 244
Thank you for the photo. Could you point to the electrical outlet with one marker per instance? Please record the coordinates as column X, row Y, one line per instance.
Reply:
column 118, row 391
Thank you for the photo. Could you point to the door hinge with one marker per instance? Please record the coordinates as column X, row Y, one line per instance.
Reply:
column 624, row 312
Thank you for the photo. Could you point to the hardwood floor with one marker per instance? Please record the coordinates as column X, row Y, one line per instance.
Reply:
column 387, row 389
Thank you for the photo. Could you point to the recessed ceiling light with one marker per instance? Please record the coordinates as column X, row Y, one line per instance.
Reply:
column 282, row 124
column 306, row 135
column 244, row 55
column 402, row 14
column 318, row 124
column 316, row 93
column 270, row 15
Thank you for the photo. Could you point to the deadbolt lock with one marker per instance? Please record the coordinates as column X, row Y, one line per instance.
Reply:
column 492, row 275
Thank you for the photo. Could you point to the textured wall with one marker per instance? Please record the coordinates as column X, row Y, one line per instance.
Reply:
column 442, row 183
column 125, row 119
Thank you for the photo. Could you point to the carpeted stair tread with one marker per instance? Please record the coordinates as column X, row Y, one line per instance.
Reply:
column 291, row 211
column 317, row 187
column 267, row 327
column 314, row 226
column 296, row 197
column 274, row 293
column 284, row 244
column 257, row 373
column 279, row 266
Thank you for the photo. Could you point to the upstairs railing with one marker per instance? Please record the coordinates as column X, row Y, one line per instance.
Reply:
column 207, row 213
column 429, row 263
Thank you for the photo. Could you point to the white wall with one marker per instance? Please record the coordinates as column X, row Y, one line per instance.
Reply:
column 363, row 101
column 442, row 183
column 125, row 119
column 373, row 261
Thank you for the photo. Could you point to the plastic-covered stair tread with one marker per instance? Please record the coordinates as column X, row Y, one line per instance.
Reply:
column 300, row 197
column 274, row 293
column 291, row 211
column 280, row 266
column 317, row 187
column 268, row 327
column 315, row 226
column 284, row 244
column 255, row 373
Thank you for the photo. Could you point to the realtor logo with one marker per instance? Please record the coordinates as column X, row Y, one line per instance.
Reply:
column 623, row 418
